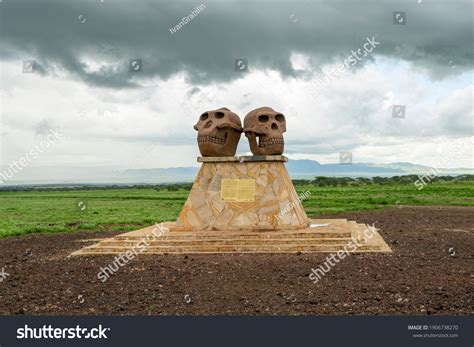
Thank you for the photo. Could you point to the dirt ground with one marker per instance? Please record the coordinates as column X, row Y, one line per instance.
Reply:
column 430, row 272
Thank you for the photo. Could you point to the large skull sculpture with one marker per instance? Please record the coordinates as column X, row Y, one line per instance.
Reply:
column 268, row 126
column 218, row 133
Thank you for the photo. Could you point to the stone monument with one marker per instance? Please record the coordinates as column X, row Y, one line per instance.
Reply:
column 246, row 192
column 242, row 204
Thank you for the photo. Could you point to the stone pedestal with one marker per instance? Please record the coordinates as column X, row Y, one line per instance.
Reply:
column 242, row 193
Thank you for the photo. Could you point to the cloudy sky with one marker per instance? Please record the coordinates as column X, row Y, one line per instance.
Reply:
column 69, row 66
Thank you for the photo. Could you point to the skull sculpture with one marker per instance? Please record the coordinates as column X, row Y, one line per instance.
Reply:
column 218, row 133
column 268, row 126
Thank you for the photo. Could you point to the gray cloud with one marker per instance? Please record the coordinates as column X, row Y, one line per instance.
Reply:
column 60, row 35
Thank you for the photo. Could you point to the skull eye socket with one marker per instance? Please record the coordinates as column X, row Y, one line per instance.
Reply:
column 204, row 116
column 263, row 118
column 279, row 117
column 219, row 115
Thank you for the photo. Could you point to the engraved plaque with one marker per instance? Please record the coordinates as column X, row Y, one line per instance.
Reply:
column 238, row 190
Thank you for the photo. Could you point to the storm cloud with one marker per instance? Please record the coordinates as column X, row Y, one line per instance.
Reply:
column 120, row 77
column 65, row 37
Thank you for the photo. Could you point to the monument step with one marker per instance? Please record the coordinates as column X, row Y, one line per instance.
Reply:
column 325, row 228
column 280, row 248
column 225, row 241
column 244, row 236
column 325, row 236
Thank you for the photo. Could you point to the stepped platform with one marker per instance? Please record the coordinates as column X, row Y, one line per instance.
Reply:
column 322, row 235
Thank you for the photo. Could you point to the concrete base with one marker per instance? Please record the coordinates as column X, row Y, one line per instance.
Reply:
column 324, row 235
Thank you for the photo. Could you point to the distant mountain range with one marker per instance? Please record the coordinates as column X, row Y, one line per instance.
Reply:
column 313, row 168
column 306, row 168
column 298, row 169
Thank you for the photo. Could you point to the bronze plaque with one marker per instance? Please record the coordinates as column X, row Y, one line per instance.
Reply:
column 238, row 190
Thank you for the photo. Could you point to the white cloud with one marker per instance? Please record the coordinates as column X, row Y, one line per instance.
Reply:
column 114, row 127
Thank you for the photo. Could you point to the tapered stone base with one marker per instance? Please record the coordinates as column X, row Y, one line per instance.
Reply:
column 246, row 193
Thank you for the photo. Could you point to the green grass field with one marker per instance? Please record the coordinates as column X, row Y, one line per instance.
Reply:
column 123, row 209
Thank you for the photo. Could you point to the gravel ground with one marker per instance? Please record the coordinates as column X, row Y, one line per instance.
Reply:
column 430, row 272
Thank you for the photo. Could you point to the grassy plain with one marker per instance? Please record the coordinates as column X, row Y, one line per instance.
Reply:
column 121, row 209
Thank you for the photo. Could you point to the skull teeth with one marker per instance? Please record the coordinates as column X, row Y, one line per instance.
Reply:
column 211, row 139
column 271, row 141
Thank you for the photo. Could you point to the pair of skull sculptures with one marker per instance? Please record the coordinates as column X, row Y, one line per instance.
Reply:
column 219, row 132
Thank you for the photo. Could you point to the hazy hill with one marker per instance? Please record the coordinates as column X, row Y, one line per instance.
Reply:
column 297, row 169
